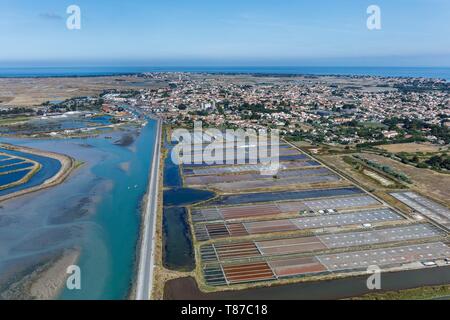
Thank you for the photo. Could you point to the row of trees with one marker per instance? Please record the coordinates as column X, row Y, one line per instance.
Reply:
column 14, row 111
column 414, row 127
column 439, row 162
column 385, row 169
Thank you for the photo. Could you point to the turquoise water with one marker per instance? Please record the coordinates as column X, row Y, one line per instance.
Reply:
column 426, row 72
column 108, row 252
column 97, row 209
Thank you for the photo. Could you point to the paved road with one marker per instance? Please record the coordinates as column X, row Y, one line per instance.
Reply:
column 147, row 252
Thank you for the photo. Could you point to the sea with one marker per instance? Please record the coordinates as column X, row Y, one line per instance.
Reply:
column 415, row 72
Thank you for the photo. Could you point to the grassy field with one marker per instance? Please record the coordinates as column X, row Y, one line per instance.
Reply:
column 6, row 121
column 424, row 293
column 427, row 181
column 23, row 92
column 411, row 147
column 350, row 167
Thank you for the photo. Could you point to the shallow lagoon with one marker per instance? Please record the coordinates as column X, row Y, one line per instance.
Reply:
column 97, row 210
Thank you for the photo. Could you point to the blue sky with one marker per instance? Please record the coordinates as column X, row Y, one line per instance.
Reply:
column 231, row 32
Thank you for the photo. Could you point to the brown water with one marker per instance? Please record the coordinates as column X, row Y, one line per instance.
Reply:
column 187, row 289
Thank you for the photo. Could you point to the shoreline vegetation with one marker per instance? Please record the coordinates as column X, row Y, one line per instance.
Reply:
column 68, row 164
column 422, row 293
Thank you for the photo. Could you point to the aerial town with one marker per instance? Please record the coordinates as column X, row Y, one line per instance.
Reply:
column 342, row 110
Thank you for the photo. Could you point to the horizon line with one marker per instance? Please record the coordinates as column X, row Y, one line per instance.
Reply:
column 213, row 66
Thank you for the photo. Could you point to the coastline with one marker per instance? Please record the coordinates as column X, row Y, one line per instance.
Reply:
column 68, row 164
column 50, row 282
column 280, row 71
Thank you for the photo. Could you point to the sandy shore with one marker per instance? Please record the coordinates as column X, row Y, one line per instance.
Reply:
column 67, row 165
column 46, row 282
column 52, row 280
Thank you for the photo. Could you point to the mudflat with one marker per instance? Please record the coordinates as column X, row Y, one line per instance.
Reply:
column 22, row 92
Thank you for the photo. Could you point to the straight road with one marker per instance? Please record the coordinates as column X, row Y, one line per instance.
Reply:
column 147, row 253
